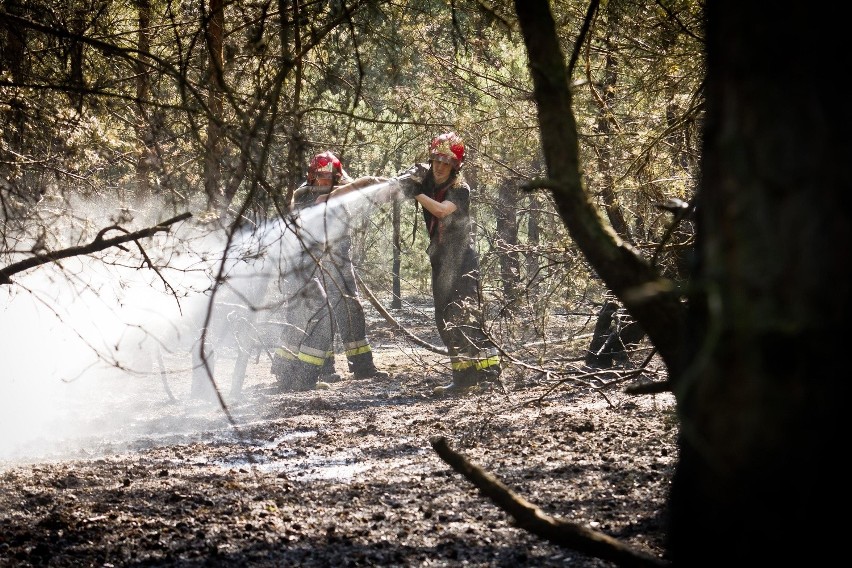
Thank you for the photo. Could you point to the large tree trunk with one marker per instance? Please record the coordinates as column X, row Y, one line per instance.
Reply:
column 759, row 390
column 761, row 471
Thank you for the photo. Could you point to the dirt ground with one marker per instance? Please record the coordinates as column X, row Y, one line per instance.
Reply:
column 344, row 476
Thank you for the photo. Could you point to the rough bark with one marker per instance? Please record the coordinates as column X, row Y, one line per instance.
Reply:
column 761, row 405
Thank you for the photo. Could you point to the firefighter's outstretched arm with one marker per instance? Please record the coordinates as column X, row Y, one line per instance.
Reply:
column 439, row 209
column 385, row 194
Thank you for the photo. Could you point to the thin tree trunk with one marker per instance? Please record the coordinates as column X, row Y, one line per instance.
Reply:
column 533, row 240
column 76, row 53
column 296, row 154
column 606, row 125
column 507, row 234
column 648, row 296
column 144, row 132
column 610, row 340
column 214, row 30
column 396, row 301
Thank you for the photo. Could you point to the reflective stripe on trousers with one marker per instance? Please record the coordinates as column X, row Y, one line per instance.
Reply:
column 483, row 360
column 314, row 356
column 354, row 348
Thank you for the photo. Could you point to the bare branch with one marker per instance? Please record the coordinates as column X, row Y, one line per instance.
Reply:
column 98, row 244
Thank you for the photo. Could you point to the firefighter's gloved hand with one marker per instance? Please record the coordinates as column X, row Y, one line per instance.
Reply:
column 419, row 172
column 411, row 182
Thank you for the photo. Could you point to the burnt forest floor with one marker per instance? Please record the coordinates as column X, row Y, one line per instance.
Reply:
column 344, row 476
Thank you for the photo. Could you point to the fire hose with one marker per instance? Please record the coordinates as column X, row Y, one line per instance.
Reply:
column 392, row 320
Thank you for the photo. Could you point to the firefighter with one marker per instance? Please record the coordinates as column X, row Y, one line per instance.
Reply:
column 322, row 297
column 445, row 196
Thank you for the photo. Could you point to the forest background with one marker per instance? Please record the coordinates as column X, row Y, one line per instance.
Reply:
column 588, row 128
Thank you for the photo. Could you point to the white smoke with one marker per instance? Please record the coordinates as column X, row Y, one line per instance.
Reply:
column 80, row 344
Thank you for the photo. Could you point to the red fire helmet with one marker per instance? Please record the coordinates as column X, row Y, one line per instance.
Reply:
column 325, row 166
column 447, row 148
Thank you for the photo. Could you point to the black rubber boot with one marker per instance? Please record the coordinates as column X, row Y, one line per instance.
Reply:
column 328, row 374
column 463, row 383
column 281, row 367
column 362, row 367
column 304, row 377
column 490, row 379
column 284, row 370
column 491, row 375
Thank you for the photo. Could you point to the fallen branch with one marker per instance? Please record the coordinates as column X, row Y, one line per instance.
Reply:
column 535, row 521
column 98, row 244
column 655, row 387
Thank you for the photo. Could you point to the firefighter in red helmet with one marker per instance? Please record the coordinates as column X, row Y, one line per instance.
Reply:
column 447, row 148
column 445, row 196
column 325, row 166
column 321, row 289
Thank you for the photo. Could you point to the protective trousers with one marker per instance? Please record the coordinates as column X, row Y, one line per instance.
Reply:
column 455, row 286
column 324, row 301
